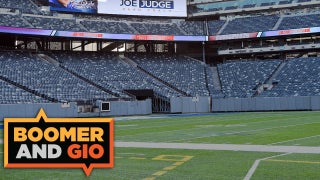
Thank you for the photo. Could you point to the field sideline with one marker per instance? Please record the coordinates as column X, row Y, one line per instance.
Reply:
column 134, row 159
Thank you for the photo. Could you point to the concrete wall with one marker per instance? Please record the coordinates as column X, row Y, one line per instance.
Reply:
column 266, row 104
column 125, row 108
column 315, row 103
column 117, row 108
column 178, row 105
column 190, row 104
column 31, row 110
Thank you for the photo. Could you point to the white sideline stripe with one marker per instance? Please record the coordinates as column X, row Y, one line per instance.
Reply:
column 256, row 164
column 295, row 139
column 222, row 147
column 1, row 141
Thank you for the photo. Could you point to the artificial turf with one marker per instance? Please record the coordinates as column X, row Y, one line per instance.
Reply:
column 267, row 128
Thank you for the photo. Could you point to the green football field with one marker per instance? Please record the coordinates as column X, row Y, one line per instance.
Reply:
column 271, row 129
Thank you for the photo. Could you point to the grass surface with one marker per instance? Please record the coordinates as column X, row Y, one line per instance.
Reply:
column 278, row 128
column 203, row 165
column 287, row 128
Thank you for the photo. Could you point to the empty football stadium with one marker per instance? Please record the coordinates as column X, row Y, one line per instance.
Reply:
column 199, row 89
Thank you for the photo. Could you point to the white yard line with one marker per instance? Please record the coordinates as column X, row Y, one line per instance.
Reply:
column 295, row 139
column 222, row 147
column 238, row 132
column 190, row 122
column 256, row 164
column 229, row 133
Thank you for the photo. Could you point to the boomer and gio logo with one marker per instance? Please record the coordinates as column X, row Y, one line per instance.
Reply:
column 162, row 4
column 44, row 142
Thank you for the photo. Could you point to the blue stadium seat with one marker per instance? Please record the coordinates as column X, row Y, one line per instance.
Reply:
column 11, row 94
column 47, row 22
column 215, row 26
column 26, row 6
column 193, row 27
column 12, row 20
column 182, row 72
column 300, row 21
column 108, row 71
column 231, row 5
column 45, row 78
column 158, row 29
column 251, row 24
column 239, row 78
column 299, row 77
column 108, row 27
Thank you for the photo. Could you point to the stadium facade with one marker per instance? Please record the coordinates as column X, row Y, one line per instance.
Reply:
column 158, row 56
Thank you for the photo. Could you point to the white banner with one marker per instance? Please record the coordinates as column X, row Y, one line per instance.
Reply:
column 172, row 8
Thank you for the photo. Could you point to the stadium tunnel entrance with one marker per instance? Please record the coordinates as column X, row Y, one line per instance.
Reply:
column 160, row 104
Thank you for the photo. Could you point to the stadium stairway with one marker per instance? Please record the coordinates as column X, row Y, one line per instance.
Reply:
column 205, row 72
column 26, row 22
column 78, row 21
column 223, row 27
column 179, row 27
column 90, row 82
column 216, row 79
column 48, row 59
column 276, row 72
column 131, row 28
column 135, row 65
column 268, row 83
column 166, row 83
column 56, row 63
column 128, row 61
column 206, row 79
column 36, row 93
column 276, row 26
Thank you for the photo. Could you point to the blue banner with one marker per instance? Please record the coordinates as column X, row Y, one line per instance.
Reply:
column 156, row 4
column 82, row 6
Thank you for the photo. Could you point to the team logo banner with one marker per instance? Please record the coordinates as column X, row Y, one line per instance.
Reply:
column 43, row 142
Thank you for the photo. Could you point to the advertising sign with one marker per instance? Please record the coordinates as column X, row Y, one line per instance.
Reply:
column 171, row 8
column 174, row 8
